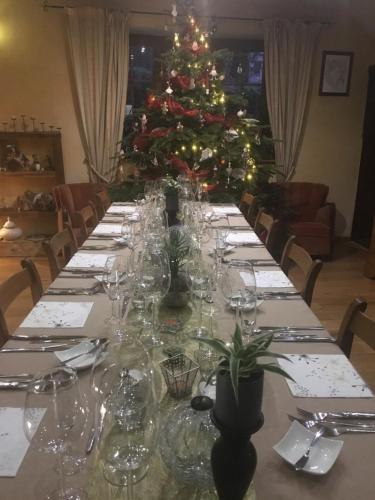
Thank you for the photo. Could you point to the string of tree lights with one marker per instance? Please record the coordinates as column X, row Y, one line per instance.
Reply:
column 193, row 128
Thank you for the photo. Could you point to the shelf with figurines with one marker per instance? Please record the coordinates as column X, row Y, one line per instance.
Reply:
column 28, row 150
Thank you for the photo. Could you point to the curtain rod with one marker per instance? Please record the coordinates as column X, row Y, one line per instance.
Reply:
column 47, row 6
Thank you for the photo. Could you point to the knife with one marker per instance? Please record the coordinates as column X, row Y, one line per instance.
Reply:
column 302, row 338
column 290, row 328
column 14, row 385
column 48, row 348
column 47, row 337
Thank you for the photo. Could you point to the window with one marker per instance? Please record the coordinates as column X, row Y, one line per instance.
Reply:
column 244, row 73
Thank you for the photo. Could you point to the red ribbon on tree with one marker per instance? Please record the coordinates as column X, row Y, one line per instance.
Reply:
column 182, row 81
column 213, row 118
column 181, row 165
column 153, row 102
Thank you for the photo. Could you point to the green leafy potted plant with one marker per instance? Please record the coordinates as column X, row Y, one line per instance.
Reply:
column 178, row 247
column 239, row 380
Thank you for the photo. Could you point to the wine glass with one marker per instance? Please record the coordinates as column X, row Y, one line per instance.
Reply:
column 154, row 278
column 207, row 359
column 64, row 421
column 124, row 384
column 239, row 289
column 201, row 287
column 220, row 236
column 110, row 281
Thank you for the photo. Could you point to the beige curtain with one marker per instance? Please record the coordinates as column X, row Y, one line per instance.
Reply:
column 98, row 46
column 289, row 48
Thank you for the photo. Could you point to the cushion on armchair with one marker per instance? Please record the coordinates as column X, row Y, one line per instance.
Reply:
column 312, row 219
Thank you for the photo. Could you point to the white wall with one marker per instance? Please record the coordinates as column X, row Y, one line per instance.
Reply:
column 34, row 78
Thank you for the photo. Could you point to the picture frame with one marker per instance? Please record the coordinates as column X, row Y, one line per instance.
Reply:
column 336, row 72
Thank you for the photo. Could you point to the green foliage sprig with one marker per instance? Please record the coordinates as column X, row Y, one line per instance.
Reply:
column 242, row 360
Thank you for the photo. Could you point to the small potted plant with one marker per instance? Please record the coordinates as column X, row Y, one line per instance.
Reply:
column 239, row 381
column 178, row 247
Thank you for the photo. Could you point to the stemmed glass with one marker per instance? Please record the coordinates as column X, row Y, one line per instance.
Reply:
column 201, row 287
column 110, row 281
column 64, row 422
column 239, row 289
column 123, row 383
column 220, row 235
column 154, row 278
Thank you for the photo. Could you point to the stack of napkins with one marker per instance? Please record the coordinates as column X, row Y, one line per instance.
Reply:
column 51, row 314
column 13, row 442
column 324, row 376
column 107, row 229
column 229, row 210
column 271, row 279
column 117, row 209
column 242, row 238
column 88, row 260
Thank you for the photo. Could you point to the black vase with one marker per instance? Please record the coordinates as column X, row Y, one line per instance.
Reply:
column 171, row 206
column 242, row 418
column 233, row 456
column 233, row 464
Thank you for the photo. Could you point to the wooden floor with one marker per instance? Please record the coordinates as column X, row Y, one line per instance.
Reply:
column 339, row 282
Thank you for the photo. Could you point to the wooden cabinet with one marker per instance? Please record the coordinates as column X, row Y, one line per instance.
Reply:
column 25, row 180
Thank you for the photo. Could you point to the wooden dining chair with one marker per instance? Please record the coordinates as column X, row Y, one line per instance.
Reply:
column 59, row 249
column 11, row 288
column 103, row 202
column 355, row 323
column 266, row 228
column 87, row 220
column 248, row 207
column 293, row 254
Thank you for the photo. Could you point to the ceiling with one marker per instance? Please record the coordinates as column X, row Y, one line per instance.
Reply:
column 306, row 9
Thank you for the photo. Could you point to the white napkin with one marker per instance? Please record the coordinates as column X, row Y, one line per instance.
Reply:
column 85, row 352
column 229, row 210
column 58, row 315
column 13, row 442
column 241, row 237
column 272, row 279
column 324, row 376
column 114, row 229
column 116, row 209
column 90, row 260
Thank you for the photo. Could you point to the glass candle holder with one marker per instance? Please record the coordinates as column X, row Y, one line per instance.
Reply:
column 179, row 373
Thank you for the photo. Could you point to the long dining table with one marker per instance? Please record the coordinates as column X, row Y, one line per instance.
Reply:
column 351, row 477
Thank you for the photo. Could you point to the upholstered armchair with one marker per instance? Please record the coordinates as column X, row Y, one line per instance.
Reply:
column 312, row 219
column 71, row 200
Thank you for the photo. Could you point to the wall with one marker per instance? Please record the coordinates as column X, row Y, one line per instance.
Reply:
column 331, row 148
column 34, row 76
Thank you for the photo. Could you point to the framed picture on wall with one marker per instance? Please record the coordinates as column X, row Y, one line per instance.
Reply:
column 335, row 73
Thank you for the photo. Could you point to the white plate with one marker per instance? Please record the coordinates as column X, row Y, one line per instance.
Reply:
column 86, row 357
column 295, row 443
column 233, row 306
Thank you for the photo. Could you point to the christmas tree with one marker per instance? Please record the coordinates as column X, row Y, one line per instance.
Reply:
column 193, row 128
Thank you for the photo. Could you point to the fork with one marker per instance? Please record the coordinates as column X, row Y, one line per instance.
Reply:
column 301, row 462
column 326, row 416
column 331, row 430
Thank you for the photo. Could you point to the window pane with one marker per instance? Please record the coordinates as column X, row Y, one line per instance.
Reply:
column 255, row 65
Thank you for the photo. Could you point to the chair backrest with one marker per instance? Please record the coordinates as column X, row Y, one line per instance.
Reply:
column 248, row 206
column 103, row 202
column 294, row 254
column 305, row 199
column 59, row 249
column 265, row 227
column 11, row 288
column 356, row 322
column 87, row 219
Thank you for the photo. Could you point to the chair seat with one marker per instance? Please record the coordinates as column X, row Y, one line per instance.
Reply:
column 313, row 236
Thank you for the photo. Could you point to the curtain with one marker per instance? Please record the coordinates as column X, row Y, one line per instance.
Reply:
column 289, row 51
column 98, row 53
